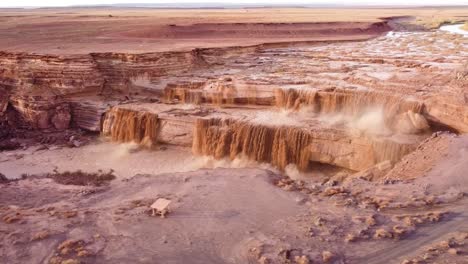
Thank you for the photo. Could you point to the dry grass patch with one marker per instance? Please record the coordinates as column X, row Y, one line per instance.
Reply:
column 82, row 178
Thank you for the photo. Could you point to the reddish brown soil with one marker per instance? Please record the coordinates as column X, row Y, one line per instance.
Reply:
column 73, row 31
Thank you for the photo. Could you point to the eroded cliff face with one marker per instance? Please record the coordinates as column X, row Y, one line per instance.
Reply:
column 41, row 75
column 349, row 108
column 42, row 112
column 201, row 77
column 121, row 71
column 284, row 145
column 446, row 113
column 40, row 87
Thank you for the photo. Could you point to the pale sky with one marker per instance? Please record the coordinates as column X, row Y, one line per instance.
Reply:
column 37, row 3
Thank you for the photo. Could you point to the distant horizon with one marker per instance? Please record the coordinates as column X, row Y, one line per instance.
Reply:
column 226, row 4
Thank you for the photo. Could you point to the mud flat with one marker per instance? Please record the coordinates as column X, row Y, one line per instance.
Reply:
column 324, row 152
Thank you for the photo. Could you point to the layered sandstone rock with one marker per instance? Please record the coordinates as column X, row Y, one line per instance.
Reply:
column 88, row 114
column 448, row 114
column 42, row 112
column 283, row 145
column 47, row 74
column 118, row 69
column 351, row 108
column 223, row 92
column 39, row 82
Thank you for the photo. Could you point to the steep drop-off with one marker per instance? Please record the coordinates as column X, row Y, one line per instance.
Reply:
column 283, row 145
column 336, row 103
column 126, row 125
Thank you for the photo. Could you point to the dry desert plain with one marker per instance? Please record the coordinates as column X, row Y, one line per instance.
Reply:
column 279, row 135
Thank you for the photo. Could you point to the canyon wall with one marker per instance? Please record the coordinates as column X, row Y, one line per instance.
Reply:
column 45, row 89
column 262, row 30
column 118, row 69
column 448, row 114
column 40, row 87
column 41, row 112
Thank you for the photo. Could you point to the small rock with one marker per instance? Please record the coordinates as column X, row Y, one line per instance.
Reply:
column 453, row 251
column 302, row 259
column 331, row 183
column 54, row 148
column 399, row 231
column 70, row 261
column 370, row 220
column 330, row 191
column 289, row 188
column 40, row 235
column 444, row 244
column 3, row 178
column 41, row 147
column 264, row 260
column 318, row 221
column 69, row 214
column 427, row 256
column 327, row 256
column 300, row 200
column 77, row 143
column 350, row 238
column 382, row 233
column 82, row 253
column 11, row 218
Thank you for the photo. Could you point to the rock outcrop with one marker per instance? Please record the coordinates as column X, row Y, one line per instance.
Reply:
column 42, row 112
column 322, row 103
column 88, row 114
column 454, row 116
column 283, row 145
column 41, row 85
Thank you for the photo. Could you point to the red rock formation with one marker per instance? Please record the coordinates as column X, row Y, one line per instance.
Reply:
column 40, row 83
column 283, row 145
column 41, row 112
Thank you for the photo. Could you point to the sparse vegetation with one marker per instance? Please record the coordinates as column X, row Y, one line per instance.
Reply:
column 82, row 178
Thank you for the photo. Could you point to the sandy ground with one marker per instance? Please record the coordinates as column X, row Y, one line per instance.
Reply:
column 265, row 215
column 202, row 208
column 224, row 216
column 126, row 159
column 72, row 31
